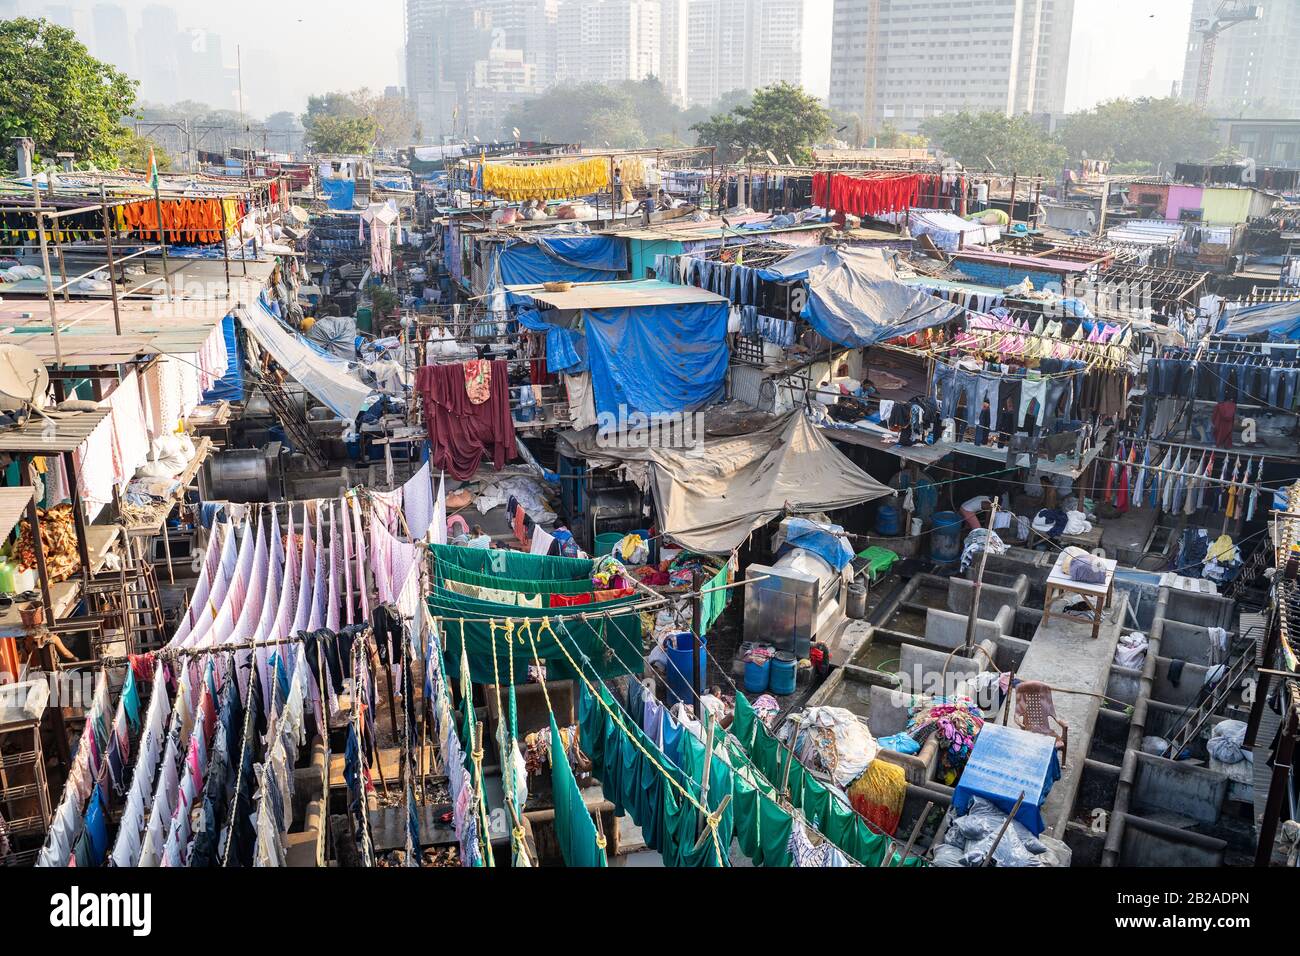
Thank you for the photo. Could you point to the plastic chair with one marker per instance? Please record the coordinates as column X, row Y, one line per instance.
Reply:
column 1035, row 710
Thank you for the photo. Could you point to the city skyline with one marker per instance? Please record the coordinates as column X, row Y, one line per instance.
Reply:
column 319, row 52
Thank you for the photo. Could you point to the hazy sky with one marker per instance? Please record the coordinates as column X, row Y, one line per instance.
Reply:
column 1120, row 47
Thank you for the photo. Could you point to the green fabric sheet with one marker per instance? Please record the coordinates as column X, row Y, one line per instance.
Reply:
column 513, row 564
column 613, row 644
column 574, row 829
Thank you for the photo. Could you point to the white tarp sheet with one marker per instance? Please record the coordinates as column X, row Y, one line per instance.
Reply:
column 329, row 380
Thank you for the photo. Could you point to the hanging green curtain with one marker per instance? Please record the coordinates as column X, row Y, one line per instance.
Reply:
column 824, row 809
column 630, row 779
column 501, row 583
column 580, row 843
column 714, row 601
column 613, row 644
column 513, row 564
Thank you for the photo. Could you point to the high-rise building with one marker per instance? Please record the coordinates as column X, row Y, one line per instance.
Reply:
column 112, row 40
column 469, row 61
column 608, row 41
column 160, row 70
column 900, row 61
column 742, row 45
column 672, row 48
column 1256, row 68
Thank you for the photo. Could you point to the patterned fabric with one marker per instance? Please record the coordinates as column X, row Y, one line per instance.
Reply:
column 478, row 381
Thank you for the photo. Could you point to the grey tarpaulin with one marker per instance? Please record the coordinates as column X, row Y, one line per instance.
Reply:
column 710, row 500
column 336, row 334
column 855, row 298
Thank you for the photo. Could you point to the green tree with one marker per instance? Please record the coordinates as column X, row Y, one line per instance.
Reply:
column 781, row 119
column 134, row 154
column 628, row 115
column 341, row 134
column 53, row 91
column 1012, row 144
column 1160, row 132
column 589, row 113
column 359, row 121
column 890, row 136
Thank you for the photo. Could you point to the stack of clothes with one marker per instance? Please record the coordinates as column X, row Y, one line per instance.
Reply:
column 956, row 722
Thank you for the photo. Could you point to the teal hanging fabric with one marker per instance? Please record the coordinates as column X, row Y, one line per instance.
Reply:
column 580, row 844
column 822, row 807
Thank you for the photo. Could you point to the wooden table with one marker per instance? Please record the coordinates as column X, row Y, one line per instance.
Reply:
column 1059, row 583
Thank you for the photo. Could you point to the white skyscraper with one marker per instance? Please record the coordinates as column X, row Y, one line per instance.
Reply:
column 900, row 61
column 742, row 45
column 672, row 48
column 608, row 41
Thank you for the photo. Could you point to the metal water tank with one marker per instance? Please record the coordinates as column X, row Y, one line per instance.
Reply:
column 244, row 475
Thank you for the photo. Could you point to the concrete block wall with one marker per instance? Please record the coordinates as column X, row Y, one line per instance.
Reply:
column 993, row 598
column 1178, row 787
column 1207, row 610
column 946, row 629
column 1187, row 642
column 1190, row 681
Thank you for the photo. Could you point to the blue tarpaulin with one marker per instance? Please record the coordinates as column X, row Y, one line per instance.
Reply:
column 340, row 193
column 855, row 298
column 1277, row 320
column 230, row 387
column 824, row 540
column 566, row 350
column 539, row 259
column 657, row 358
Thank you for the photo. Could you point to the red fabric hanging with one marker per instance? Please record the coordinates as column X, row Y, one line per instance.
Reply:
column 866, row 196
column 460, row 431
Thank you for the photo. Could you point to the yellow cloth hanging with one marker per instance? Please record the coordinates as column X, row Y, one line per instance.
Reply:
column 549, row 181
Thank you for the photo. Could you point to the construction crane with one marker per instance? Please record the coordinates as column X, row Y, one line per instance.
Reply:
column 1229, row 14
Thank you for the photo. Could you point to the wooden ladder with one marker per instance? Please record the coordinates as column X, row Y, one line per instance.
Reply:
column 131, row 594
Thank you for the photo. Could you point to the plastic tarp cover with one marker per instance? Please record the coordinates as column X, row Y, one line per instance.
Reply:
column 710, row 499
column 855, row 298
column 657, row 359
column 1279, row 320
column 533, row 261
column 825, row 541
column 330, row 380
column 566, row 350
column 336, row 334
column 230, row 387
column 339, row 193
column 1005, row 762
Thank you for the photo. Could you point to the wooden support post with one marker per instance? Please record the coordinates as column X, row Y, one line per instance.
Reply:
column 968, row 645
column 49, row 279
column 108, row 252
column 1278, row 783
column 988, row 857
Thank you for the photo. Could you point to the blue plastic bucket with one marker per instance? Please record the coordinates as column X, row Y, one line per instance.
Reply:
column 680, row 671
column 757, row 676
column 784, row 671
column 945, row 539
column 887, row 520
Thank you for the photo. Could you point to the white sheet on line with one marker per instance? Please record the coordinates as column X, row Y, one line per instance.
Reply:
column 331, row 381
